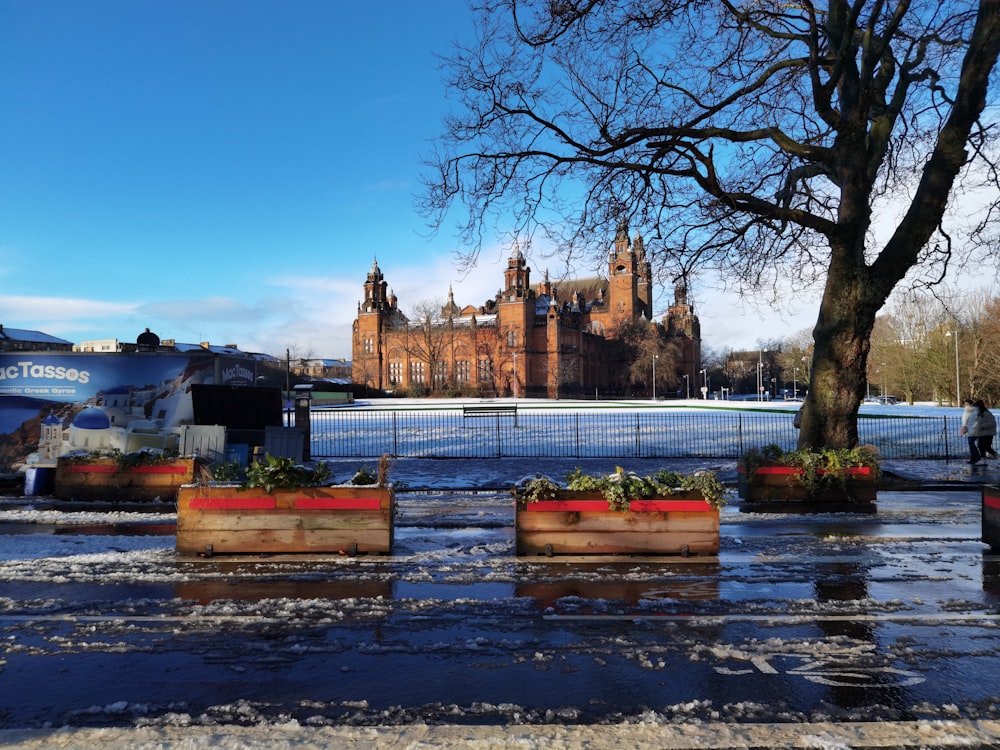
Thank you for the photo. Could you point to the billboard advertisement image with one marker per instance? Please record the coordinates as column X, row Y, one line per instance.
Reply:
column 58, row 403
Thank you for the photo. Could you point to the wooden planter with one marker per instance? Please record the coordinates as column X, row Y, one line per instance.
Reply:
column 227, row 519
column 776, row 488
column 580, row 523
column 991, row 516
column 105, row 479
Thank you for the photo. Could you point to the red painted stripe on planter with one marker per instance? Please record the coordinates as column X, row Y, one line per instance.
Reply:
column 991, row 501
column 231, row 503
column 338, row 503
column 862, row 470
column 654, row 506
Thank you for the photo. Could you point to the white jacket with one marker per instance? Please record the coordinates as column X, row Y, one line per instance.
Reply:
column 970, row 421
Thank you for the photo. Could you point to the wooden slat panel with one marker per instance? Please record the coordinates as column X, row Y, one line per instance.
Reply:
column 230, row 503
column 365, row 495
column 285, row 528
column 247, row 520
column 649, row 523
column 991, row 517
column 283, row 541
column 597, row 530
column 337, row 503
column 106, row 481
column 776, row 487
column 616, row 542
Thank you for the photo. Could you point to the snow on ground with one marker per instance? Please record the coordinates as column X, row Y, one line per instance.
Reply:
column 823, row 736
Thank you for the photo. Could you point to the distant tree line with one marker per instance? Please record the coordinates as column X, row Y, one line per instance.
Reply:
column 939, row 348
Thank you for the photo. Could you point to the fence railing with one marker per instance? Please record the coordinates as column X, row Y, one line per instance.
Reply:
column 552, row 433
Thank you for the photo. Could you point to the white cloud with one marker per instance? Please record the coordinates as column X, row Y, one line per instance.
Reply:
column 60, row 308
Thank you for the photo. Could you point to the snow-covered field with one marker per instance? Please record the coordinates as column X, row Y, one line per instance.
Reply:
column 543, row 428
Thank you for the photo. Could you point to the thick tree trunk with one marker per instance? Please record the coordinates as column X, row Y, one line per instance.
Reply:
column 840, row 359
column 854, row 291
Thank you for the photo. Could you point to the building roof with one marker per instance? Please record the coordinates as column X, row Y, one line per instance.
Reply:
column 185, row 348
column 34, row 337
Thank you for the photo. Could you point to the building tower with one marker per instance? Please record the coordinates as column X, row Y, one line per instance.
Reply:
column 516, row 277
column 515, row 317
column 684, row 328
column 629, row 278
column 374, row 313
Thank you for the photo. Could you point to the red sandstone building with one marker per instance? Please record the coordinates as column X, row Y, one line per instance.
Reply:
column 547, row 341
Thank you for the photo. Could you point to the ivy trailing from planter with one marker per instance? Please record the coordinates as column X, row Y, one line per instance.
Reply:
column 821, row 469
column 621, row 487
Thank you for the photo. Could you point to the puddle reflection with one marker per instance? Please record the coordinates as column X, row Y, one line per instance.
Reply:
column 205, row 592
column 857, row 685
column 117, row 529
column 991, row 572
column 690, row 582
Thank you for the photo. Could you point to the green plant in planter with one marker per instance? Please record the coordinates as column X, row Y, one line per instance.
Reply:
column 618, row 488
column 364, row 477
column 621, row 487
column 533, row 489
column 75, row 459
column 822, row 469
column 705, row 483
column 123, row 461
column 275, row 472
column 227, row 471
column 132, row 460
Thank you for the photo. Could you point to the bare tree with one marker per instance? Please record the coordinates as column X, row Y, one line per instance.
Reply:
column 430, row 334
column 980, row 347
column 643, row 344
column 914, row 355
column 762, row 140
column 490, row 356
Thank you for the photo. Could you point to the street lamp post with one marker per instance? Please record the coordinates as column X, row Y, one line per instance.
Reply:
column 760, row 375
column 958, row 384
column 515, row 374
column 687, row 385
column 655, row 357
column 704, row 388
column 795, row 383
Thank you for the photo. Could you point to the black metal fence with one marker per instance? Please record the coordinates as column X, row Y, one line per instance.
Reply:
column 596, row 433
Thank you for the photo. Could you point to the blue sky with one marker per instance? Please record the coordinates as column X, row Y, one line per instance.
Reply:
column 226, row 171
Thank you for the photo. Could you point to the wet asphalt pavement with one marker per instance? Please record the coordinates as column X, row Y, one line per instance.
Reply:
column 886, row 617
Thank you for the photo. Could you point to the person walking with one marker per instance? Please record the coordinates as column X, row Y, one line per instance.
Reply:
column 970, row 429
column 987, row 429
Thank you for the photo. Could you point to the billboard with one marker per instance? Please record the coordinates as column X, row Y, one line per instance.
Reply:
column 87, row 401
